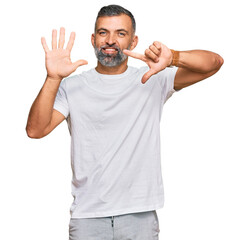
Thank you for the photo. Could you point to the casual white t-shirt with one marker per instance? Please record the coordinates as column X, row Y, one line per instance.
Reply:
column 114, row 122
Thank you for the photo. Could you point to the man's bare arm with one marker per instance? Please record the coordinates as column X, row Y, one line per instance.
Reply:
column 42, row 117
column 194, row 66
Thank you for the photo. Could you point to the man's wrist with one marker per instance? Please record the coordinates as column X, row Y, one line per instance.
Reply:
column 52, row 83
column 54, row 78
column 175, row 58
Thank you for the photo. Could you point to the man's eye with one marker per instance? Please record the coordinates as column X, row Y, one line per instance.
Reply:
column 102, row 33
column 121, row 34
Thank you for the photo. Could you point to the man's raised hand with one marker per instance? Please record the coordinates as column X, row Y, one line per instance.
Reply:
column 157, row 57
column 58, row 62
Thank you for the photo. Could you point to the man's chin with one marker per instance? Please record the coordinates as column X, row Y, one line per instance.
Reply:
column 110, row 55
column 109, row 62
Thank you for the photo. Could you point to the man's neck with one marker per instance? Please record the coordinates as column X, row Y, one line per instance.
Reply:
column 111, row 70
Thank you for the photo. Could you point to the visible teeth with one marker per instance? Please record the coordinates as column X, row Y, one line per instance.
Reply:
column 110, row 49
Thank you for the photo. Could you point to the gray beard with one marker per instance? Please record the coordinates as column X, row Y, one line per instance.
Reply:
column 110, row 60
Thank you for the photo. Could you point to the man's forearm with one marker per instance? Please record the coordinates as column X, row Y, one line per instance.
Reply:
column 200, row 61
column 41, row 111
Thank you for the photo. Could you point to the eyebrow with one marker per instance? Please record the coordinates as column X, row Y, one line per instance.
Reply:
column 122, row 30
column 118, row 30
column 101, row 29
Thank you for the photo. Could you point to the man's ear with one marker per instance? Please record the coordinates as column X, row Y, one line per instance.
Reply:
column 92, row 39
column 134, row 42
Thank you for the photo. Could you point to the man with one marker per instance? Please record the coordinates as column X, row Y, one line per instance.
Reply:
column 113, row 113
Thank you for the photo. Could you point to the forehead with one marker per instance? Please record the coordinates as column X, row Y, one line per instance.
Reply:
column 113, row 23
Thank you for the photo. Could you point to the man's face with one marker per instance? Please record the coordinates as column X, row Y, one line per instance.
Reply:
column 112, row 35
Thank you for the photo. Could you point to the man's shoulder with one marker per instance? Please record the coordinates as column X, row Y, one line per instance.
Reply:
column 77, row 77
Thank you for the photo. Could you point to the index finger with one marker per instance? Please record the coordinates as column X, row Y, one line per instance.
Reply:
column 134, row 55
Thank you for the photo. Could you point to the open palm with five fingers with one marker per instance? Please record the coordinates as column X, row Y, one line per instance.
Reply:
column 58, row 61
column 157, row 57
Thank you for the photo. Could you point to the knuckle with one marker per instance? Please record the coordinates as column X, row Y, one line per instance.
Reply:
column 147, row 51
column 152, row 47
column 155, row 50
column 157, row 44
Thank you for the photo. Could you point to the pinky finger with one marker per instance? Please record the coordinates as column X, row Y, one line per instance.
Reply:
column 44, row 45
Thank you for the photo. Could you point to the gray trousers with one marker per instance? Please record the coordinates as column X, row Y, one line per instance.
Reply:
column 134, row 226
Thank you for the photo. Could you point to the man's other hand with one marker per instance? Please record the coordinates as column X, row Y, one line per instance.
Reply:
column 58, row 62
column 157, row 57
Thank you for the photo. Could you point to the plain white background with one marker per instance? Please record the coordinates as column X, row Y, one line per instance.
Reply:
column 204, row 128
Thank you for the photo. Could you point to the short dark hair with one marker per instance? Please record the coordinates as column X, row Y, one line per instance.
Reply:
column 115, row 10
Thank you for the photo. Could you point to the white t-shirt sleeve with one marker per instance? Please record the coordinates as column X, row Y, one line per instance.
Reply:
column 166, row 80
column 61, row 103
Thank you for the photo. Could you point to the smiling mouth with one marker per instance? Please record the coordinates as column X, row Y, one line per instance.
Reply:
column 109, row 50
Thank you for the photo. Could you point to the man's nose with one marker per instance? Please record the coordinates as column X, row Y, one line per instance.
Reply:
column 111, row 39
